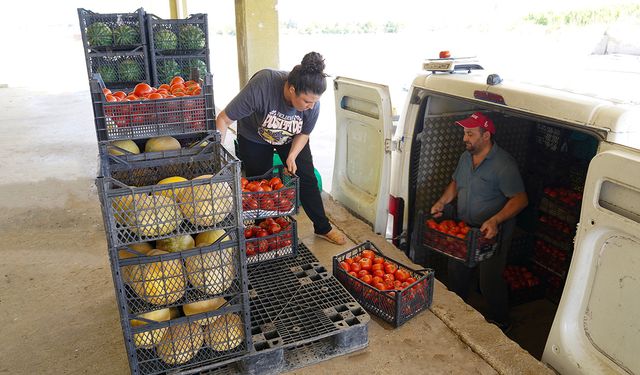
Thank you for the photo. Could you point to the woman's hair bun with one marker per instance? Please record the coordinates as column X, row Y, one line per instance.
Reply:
column 312, row 62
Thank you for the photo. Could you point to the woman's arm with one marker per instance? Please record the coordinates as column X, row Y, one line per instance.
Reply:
column 298, row 143
column 222, row 123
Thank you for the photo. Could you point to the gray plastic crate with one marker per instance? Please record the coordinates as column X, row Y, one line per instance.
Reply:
column 138, row 209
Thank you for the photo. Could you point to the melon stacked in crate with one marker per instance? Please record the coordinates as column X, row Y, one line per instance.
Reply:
column 115, row 46
column 268, row 203
column 178, row 47
column 176, row 251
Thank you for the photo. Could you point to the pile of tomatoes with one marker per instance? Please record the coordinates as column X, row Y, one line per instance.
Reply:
column 271, row 234
column 555, row 223
column 568, row 197
column 267, row 195
column 178, row 87
column 454, row 243
column 519, row 277
column 451, row 227
column 377, row 271
column 550, row 256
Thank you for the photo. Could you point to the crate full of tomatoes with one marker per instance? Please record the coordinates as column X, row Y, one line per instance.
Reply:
column 384, row 287
column 272, row 194
column 176, row 107
column 523, row 285
column 271, row 239
column 458, row 240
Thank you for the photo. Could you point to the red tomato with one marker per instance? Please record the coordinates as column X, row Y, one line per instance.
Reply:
column 142, row 89
column 345, row 266
column 365, row 263
column 401, row 275
column 388, row 277
column 390, row 268
column 377, row 266
column 378, row 260
column 362, row 272
column 378, row 273
column 366, row 278
column 357, row 258
column 275, row 181
column 355, row 267
column 243, row 182
column 248, row 232
column 410, row 280
column 376, row 279
column 353, row 274
column 349, row 260
column 368, row 254
column 379, row 286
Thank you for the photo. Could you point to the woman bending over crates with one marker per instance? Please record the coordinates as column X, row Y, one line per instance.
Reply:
column 277, row 110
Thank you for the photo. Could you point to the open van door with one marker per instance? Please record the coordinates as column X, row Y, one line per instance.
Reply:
column 597, row 326
column 363, row 149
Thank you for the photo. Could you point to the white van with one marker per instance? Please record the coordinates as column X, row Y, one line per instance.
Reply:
column 586, row 141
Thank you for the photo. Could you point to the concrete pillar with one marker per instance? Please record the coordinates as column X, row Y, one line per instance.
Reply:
column 178, row 9
column 257, row 36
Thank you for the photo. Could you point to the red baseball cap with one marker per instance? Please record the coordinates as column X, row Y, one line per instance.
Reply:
column 476, row 120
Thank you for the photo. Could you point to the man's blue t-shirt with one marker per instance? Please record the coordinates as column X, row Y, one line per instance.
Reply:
column 483, row 191
column 264, row 116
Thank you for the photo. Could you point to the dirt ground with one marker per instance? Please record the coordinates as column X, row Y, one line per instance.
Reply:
column 59, row 313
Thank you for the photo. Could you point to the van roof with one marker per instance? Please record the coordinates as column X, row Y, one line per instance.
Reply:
column 601, row 95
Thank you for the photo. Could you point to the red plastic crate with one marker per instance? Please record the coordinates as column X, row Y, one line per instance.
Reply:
column 393, row 306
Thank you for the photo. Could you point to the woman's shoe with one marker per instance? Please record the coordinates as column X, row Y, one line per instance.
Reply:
column 334, row 237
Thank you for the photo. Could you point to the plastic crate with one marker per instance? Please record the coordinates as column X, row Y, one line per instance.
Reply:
column 197, row 22
column 551, row 257
column 471, row 250
column 273, row 246
column 554, row 283
column 113, row 21
column 522, row 289
column 190, row 144
column 284, row 201
column 139, row 119
column 111, row 66
column 394, row 306
column 137, row 209
column 163, row 68
column 189, row 343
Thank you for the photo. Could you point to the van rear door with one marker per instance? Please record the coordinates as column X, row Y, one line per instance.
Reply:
column 597, row 325
column 363, row 149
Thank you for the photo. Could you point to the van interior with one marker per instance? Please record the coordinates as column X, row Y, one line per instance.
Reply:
column 553, row 159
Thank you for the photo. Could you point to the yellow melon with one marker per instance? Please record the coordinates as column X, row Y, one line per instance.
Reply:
column 158, row 144
column 155, row 215
column 207, row 305
column 208, row 204
column 211, row 272
column 130, row 272
column 209, row 237
column 176, row 243
column 161, row 282
column 171, row 193
column 180, row 343
column 148, row 339
column 125, row 144
column 224, row 333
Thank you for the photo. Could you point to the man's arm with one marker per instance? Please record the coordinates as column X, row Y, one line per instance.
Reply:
column 222, row 123
column 449, row 194
column 513, row 206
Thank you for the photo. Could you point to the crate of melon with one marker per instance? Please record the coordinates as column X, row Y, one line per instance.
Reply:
column 269, row 195
column 383, row 286
column 271, row 239
column 458, row 240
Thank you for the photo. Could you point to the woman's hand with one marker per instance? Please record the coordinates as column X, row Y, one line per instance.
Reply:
column 291, row 165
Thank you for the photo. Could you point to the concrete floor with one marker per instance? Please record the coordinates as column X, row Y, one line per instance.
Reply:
column 56, row 293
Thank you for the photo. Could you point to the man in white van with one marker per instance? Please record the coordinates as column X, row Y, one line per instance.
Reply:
column 489, row 192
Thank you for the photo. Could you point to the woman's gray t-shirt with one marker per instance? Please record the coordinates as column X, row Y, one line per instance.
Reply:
column 263, row 115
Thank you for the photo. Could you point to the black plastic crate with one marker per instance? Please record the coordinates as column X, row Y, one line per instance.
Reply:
column 160, row 279
column 138, row 209
column 178, row 36
column 189, row 343
column 105, row 32
column 139, row 119
column 164, row 68
column 551, row 257
column 523, row 286
column 264, row 244
column 191, row 143
column 279, row 202
column 120, row 70
column 394, row 306
column 470, row 248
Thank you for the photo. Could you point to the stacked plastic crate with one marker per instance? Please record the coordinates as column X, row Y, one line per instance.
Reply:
column 173, row 223
column 115, row 46
column 178, row 47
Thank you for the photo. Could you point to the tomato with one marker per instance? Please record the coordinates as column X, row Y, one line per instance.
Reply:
column 263, row 246
column 106, row 91
column 378, row 272
column 366, row 278
column 248, row 232
column 410, row 280
column 345, row 266
column 275, row 181
column 155, row 95
column 368, row 254
column 284, row 205
column 401, row 275
column 390, row 268
column 357, row 258
column 377, row 266
column 355, row 266
column 249, row 204
column 111, row 98
column 289, row 193
column 190, row 82
column 388, row 277
column 251, row 249
column 120, row 94
column 176, row 79
column 277, row 186
column 379, row 286
column 267, row 204
column 378, row 260
column 362, row 272
column 365, row 263
column 376, row 279
column 352, row 273
column 142, row 89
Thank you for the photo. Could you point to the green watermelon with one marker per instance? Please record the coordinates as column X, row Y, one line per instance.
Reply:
column 165, row 40
column 99, row 34
column 130, row 71
column 125, row 35
column 108, row 73
column 191, row 37
column 198, row 64
column 167, row 69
